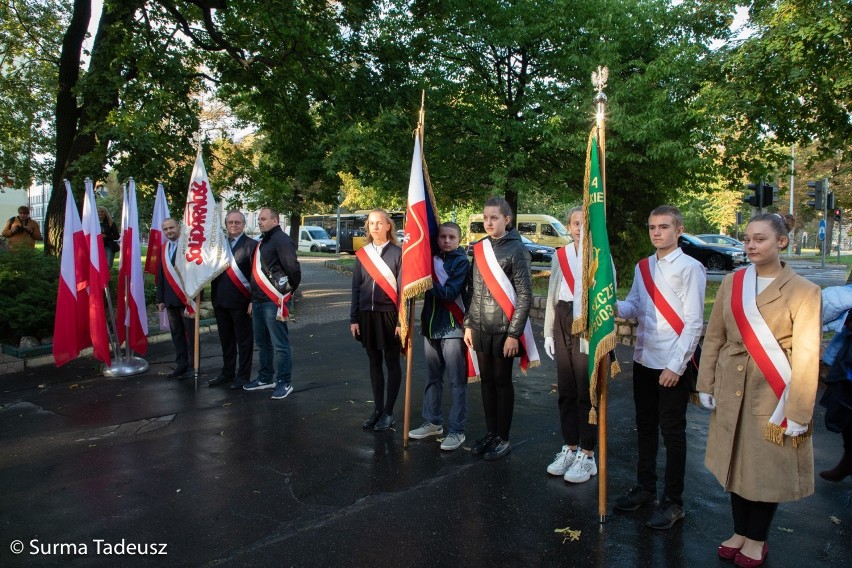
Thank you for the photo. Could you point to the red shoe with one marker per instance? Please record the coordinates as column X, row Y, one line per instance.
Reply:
column 747, row 562
column 727, row 552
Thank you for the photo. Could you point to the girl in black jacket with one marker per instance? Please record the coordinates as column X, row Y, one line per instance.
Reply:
column 373, row 317
column 495, row 337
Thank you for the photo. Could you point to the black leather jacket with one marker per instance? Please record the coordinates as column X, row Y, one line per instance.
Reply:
column 484, row 315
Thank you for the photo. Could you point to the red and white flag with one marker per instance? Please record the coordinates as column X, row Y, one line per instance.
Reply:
column 420, row 243
column 202, row 239
column 156, row 240
column 98, row 276
column 131, row 313
column 71, row 324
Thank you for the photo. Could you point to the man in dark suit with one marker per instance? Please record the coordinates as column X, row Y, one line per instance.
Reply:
column 173, row 301
column 231, row 301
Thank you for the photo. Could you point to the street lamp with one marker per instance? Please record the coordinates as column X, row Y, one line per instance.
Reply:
column 337, row 231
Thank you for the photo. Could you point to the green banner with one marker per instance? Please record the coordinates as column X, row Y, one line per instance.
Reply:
column 600, row 280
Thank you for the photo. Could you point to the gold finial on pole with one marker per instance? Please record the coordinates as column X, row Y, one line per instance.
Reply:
column 599, row 80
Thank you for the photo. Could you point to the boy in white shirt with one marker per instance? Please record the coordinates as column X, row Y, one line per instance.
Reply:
column 667, row 298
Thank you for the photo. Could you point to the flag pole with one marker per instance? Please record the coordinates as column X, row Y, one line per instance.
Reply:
column 196, row 355
column 409, row 363
column 409, row 359
column 599, row 79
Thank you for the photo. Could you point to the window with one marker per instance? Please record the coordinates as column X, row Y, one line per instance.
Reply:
column 548, row 231
column 477, row 227
column 526, row 228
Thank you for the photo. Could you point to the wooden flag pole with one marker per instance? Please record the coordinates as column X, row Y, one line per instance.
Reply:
column 602, row 391
column 600, row 79
column 196, row 355
column 409, row 362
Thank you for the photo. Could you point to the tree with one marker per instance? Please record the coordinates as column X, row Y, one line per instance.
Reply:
column 29, row 53
column 787, row 82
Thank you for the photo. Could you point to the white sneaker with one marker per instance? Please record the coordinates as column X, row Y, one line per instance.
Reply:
column 562, row 462
column 453, row 441
column 428, row 429
column 582, row 469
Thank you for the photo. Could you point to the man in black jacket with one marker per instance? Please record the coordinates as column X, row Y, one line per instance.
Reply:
column 278, row 275
column 172, row 301
column 231, row 295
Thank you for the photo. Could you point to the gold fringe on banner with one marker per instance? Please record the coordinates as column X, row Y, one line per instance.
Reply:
column 581, row 324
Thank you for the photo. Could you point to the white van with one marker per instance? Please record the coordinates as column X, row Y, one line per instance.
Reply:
column 540, row 229
column 315, row 239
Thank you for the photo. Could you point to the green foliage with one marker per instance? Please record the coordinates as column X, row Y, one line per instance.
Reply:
column 30, row 36
column 28, row 279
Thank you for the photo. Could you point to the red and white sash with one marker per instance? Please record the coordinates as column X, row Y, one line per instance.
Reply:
column 501, row 288
column 665, row 300
column 457, row 309
column 379, row 270
column 238, row 278
column 760, row 343
column 173, row 281
column 271, row 291
column 565, row 266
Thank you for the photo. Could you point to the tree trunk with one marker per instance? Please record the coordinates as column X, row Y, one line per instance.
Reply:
column 76, row 126
column 66, row 120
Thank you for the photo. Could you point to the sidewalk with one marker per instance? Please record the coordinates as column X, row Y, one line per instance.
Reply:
column 235, row 478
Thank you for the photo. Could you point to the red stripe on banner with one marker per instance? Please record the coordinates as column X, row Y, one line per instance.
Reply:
column 376, row 274
column 657, row 297
column 750, row 340
column 562, row 256
column 155, row 248
column 238, row 283
column 499, row 294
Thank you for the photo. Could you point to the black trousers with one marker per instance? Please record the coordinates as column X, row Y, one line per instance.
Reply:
column 752, row 518
column 498, row 393
column 183, row 338
column 236, row 336
column 572, row 377
column 377, row 378
column 660, row 410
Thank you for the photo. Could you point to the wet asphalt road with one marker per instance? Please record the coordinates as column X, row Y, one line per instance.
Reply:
column 220, row 477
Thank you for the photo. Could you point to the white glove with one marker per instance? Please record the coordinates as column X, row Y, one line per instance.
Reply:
column 795, row 429
column 707, row 400
column 549, row 347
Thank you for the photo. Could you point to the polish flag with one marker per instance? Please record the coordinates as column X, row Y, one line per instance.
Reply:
column 71, row 324
column 156, row 240
column 98, row 278
column 131, row 314
column 420, row 243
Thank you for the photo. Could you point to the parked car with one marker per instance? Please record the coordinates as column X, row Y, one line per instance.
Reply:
column 722, row 240
column 539, row 253
column 713, row 257
column 315, row 239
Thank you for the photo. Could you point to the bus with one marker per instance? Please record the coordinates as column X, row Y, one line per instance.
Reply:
column 352, row 234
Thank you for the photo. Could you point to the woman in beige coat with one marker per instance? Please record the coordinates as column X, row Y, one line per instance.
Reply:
column 760, row 464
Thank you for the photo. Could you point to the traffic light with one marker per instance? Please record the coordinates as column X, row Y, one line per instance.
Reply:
column 768, row 194
column 754, row 198
column 829, row 200
column 838, row 214
column 816, row 194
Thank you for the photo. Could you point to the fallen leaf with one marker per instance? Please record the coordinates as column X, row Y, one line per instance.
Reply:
column 74, row 386
column 222, row 433
column 568, row 534
column 227, row 404
column 178, row 491
column 337, row 408
column 785, row 529
column 834, row 520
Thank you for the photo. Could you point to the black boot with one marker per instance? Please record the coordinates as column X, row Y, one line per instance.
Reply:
column 840, row 471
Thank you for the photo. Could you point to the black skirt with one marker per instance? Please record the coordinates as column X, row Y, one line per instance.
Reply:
column 378, row 330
